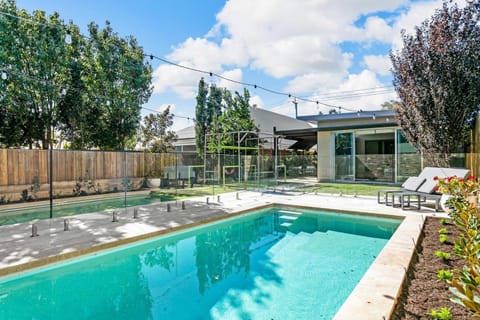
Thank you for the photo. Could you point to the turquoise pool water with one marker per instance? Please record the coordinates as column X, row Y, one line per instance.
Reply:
column 273, row 264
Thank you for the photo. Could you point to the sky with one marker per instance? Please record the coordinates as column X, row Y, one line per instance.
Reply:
column 335, row 53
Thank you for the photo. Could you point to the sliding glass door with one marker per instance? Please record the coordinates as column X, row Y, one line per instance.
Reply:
column 344, row 156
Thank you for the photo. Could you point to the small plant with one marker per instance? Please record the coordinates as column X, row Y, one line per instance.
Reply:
column 442, row 255
column 25, row 196
column 441, row 314
column 444, row 275
column 443, row 238
column 4, row 199
column 85, row 183
column 442, row 231
column 443, row 222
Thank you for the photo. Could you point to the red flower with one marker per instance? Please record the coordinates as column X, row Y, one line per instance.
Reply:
column 436, row 188
column 471, row 178
column 435, row 178
column 460, row 179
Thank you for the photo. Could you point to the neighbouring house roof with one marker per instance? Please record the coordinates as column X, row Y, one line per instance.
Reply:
column 265, row 121
column 185, row 137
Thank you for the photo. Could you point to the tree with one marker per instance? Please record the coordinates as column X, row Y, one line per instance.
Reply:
column 437, row 77
column 236, row 118
column 34, row 56
column 86, row 92
column 391, row 105
column 214, row 112
column 157, row 133
column 118, row 82
column 202, row 118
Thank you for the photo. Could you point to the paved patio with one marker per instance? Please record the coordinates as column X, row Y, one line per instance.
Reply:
column 373, row 297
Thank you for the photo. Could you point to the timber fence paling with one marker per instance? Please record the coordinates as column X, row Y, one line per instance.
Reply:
column 21, row 166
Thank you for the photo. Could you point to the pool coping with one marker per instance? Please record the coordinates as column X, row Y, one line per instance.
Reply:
column 375, row 295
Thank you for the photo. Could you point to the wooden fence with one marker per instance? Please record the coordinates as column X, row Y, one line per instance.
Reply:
column 21, row 167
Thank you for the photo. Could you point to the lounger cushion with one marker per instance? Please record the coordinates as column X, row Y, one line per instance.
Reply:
column 413, row 183
column 428, row 186
column 429, row 173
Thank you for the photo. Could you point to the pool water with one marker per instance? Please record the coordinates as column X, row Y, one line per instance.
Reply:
column 272, row 264
column 73, row 208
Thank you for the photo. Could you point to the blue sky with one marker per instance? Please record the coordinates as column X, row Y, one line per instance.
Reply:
column 334, row 52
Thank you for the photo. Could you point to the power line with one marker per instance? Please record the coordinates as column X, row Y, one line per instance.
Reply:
column 213, row 74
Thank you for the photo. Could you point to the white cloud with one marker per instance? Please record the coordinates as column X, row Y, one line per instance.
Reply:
column 256, row 101
column 236, row 75
column 357, row 93
column 181, row 123
column 414, row 16
column 378, row 29
column 282, row 39
column 378, row 64
column 299, row 42
column 180, row 81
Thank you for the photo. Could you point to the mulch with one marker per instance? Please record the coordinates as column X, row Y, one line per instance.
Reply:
column 423, row 290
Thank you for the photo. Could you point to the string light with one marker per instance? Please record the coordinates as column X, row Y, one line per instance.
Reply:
column 4, row 75
column 352, row 93
column 68, row 37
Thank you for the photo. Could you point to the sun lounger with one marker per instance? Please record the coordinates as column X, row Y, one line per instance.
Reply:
column 427, row 190
column 411, row 184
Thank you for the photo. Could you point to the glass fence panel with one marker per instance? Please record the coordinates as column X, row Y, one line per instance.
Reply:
column 93, row 181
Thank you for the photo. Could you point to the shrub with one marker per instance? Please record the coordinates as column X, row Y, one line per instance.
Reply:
column 463, row 208
column 441, row 314
column 444, row 275
column 442, row 255
column 442, row 231
column 443, row 238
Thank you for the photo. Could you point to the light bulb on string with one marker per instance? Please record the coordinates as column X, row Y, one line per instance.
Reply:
column 68, row 37
column 4, row 75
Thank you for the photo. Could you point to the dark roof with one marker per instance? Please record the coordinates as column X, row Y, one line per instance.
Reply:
column 349, row 115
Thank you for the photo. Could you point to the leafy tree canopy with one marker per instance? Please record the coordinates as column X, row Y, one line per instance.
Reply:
column 87, row 91
column 220, row 117
column 437, row 77
column 156, row 131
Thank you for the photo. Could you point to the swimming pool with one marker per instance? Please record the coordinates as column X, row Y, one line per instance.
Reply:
column 273, row 264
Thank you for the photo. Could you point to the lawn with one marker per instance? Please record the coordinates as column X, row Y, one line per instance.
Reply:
column 347, row 188
column 331, row 188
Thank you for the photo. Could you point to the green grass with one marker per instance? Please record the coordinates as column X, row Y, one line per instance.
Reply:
column 347, row 188
column 331, row 188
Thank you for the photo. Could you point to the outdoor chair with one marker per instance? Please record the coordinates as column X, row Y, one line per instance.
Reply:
column 427, row 190
column 411, row 184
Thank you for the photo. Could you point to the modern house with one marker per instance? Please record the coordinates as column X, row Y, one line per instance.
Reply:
column 360, row 146
column 365, row 146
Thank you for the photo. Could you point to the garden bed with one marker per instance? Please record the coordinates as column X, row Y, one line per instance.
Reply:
column 424, row 291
